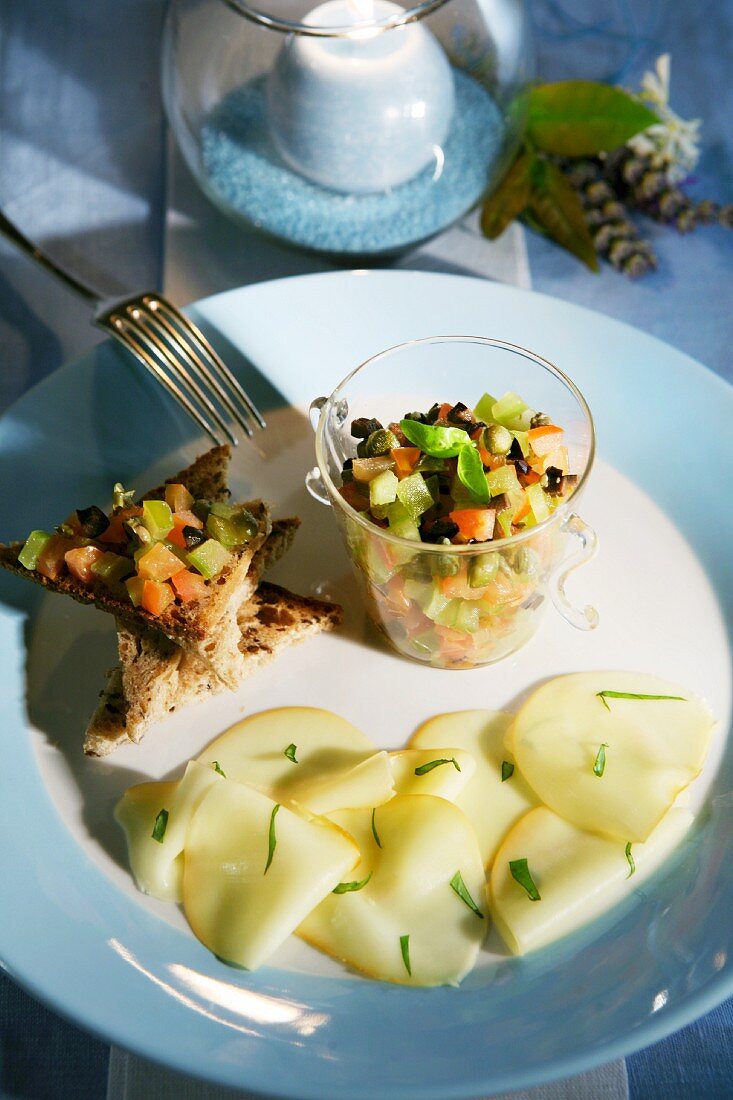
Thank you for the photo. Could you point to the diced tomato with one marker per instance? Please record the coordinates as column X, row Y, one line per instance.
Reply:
column 443, row 411
column 545, row 439
column 178, row 498
column 458, row 588
column 79, row 562
column 406, row 459
column 353, row 495
column 181, row 520
column 156, row 596
column 159, row 564
column 190, row 586
column 475, row 523
column 115, row 532
column 51, row 561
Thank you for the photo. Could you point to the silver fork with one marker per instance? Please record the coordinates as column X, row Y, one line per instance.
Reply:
column 168, row 344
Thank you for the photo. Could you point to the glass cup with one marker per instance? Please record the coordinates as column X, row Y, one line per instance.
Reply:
column 456, row 606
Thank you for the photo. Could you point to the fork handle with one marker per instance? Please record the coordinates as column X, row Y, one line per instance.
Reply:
column 11, row 231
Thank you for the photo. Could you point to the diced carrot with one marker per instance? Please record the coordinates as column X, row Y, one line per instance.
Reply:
column 79, row 562
column 523, row 511
column 406, row 459
column 115, row 532
column 444, row 409
column 178, row 498
column 475, row 523
column 156, row 596
column 51, row 561
column 181, row 520
column 190, row 586
column 159, row 564
column 545, row 439
column 484, row 455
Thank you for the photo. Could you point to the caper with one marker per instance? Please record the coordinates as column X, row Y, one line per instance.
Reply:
column 540, row 420
column 446, row 565
column 421, row 418
column 526, row 562
column 380, row 442
column 361, row 451
column 137, row 530
column 497, row 439
column 482, row 569
column 201, row 509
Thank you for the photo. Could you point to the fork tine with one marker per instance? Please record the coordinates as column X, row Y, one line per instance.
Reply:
column 135, row 319
column 196, row 336
column 128, row 341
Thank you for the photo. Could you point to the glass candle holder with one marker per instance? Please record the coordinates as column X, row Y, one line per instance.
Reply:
column 354, row 128
column 420, row 595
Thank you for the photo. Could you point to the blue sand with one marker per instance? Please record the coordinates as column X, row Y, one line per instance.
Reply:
column 246, row 174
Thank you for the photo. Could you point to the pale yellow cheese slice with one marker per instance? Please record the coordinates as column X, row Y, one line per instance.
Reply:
column 425, row 841
column 238, row 907
column 368, row 784
column 491, row 805
column 157, row 866
column 578, row 875
column 653, row 749
column 444, row 781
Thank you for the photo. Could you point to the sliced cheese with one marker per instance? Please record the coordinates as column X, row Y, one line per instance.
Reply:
column 491, row 805
column 444, row 781
column 156, row 865
column 425, row 841
column 653, row 749
column 578, row 875
column 238, row 907
column 368, row 784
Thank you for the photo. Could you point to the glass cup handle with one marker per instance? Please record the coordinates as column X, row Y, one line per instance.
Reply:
column 313, row 480
column 587, row 618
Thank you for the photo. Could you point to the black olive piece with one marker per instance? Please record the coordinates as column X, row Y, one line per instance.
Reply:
column 363, row 426
column 193, row 536
column 432, row 414
column 93, row 521
column 500, row 503
column 346, row 476
column 421, row 418
column 521, row 465
column 515, row 451
column 460, row 414
column 554, row 480
column 441, row 529
column 349, row 462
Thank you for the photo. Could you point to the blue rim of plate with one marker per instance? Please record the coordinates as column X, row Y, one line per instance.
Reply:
column 72, row 939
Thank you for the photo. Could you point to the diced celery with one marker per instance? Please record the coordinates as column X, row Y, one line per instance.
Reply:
column 383, row 488
column 414, row 495
column 427, row 643
column 418, row 591
column 436, row 605
column 448, row 614
column 523, row 440
column 482, row 569
column 157, row 518
column 538, row 501
column 502, row 480
column 401, row 522
column 135, row 587
column 433, row 488
column 460, row 495
column 226, row 511
column 112, row 568
column 209, row 558
column 504, row 522
column 376, row 565
column 507, row 408
column 28, row 557
column 467, row 617
column 520, row 423
column 223, row 530
column 484, row 410
column 378, row 511
column 427, row 464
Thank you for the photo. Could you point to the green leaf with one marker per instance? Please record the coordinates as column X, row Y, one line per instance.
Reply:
column 603, row 695
column 425, row 768
column 471, row 474
column 271, row 838
column 520, row 874
column 351, row 887
column 463, row 893
column 375, row 834
column 290, row 752
column 630, row 858
column 508, row 200
column 218, row 768
column 507, row 770
column 434, row 440
column 556, row 206
column 405, row 949
column 580, row 118
column 600, row 765
column 161, row 824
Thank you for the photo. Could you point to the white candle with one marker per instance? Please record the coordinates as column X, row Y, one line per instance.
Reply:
column 364, row 111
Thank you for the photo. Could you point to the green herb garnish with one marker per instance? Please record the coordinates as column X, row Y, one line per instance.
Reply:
column 630, row 858
column 434, row 440
column 470, row 470
column 405, row 949
column 161, row 824
column 520, row 874
column 218, row 768
column 351, row 887
column 290, row 752
column 462, row 890
column 507, row 770
column 122, row 498
column 603, row 695
column 271, row 838
column 375, row 834
column 600, row 765
column 425, row 768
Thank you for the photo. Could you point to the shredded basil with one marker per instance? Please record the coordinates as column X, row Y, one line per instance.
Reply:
column 471, row 474
column 271, row 838
column 375, row 834
column 463, row 893
column 434, row 440
column 161, row 824
column 600, row 765
column 630, row 858
column 351, row 887
column 507, row 770
column 425, row 768
column 604, row 695
column 520, row 874
column 290, row 752
column 405, row 949
column 218, row 768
